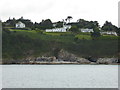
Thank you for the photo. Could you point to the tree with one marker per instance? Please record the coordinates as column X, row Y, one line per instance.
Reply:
column 35, row 26
column 11, row 22
column 59, row 24
column 108, row 26
column 96, row 33
column 87, row 24
column 118, row 31
column 74, row 29
column 69, row 18
column 46, row 24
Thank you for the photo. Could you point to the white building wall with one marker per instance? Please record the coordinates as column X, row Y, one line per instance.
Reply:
column 20, row 25
column 109, row 33
column 56, row 30
column 63, row 29
column 86, row 30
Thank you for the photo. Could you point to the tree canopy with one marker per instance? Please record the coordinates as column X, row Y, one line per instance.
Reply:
column 48, row 24
column 96, row 33
column 69, row 18
column 74, row 29
column 108, row 26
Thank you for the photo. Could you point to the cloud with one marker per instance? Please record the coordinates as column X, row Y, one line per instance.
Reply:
column 36, row 10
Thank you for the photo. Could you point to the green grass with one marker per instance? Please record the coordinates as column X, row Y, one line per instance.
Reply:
column 61, row 35
column 108, row 37
column 87, row 37
column 57, row 33
column 86, row 33
column 33, row 31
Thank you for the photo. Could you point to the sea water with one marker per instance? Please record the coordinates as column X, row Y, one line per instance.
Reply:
column 59, row 76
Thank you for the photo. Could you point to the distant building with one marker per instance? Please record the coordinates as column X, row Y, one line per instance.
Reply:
column 67, row 26
column 56, row 30
column 62, row 29
column 86, row 30
column 109, row 33
column 20, row 25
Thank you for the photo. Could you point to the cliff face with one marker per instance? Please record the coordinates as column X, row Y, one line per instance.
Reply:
column 62, row 58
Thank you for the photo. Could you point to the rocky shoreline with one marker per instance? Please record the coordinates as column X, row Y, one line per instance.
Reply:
column 63, row 57
column 76, row 60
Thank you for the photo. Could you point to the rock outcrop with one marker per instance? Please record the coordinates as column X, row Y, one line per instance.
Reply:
column 107, row 60
column 83, row 61
column 66, row 56
column 47, row 59
column 62, row 57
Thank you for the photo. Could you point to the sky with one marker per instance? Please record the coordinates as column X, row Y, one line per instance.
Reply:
column 56, row 10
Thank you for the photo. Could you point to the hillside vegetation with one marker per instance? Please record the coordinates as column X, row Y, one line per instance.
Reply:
column 18, row 44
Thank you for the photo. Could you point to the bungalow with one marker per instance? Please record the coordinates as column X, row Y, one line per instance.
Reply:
column 62, row 29
column 86, row 30
column 109, row 33
column 56, row 30
column 20, row 25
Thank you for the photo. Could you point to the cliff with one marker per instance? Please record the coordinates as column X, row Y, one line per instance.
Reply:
column 64, row 57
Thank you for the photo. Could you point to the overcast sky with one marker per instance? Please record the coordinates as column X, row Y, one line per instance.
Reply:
column 56, row 10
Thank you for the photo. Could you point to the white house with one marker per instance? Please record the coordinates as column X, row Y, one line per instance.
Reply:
column 20, row 25
column 62, row 29
column 86, row 30
column 67, row 26
column 56, row 30
column 109, row 33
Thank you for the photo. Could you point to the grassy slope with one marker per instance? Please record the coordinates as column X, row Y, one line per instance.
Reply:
column 22, row 43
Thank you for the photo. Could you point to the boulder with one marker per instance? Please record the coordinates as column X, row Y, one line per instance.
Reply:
column 92, row 59
column 83, row 61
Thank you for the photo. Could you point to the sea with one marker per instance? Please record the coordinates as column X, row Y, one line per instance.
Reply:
column 59, row 76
